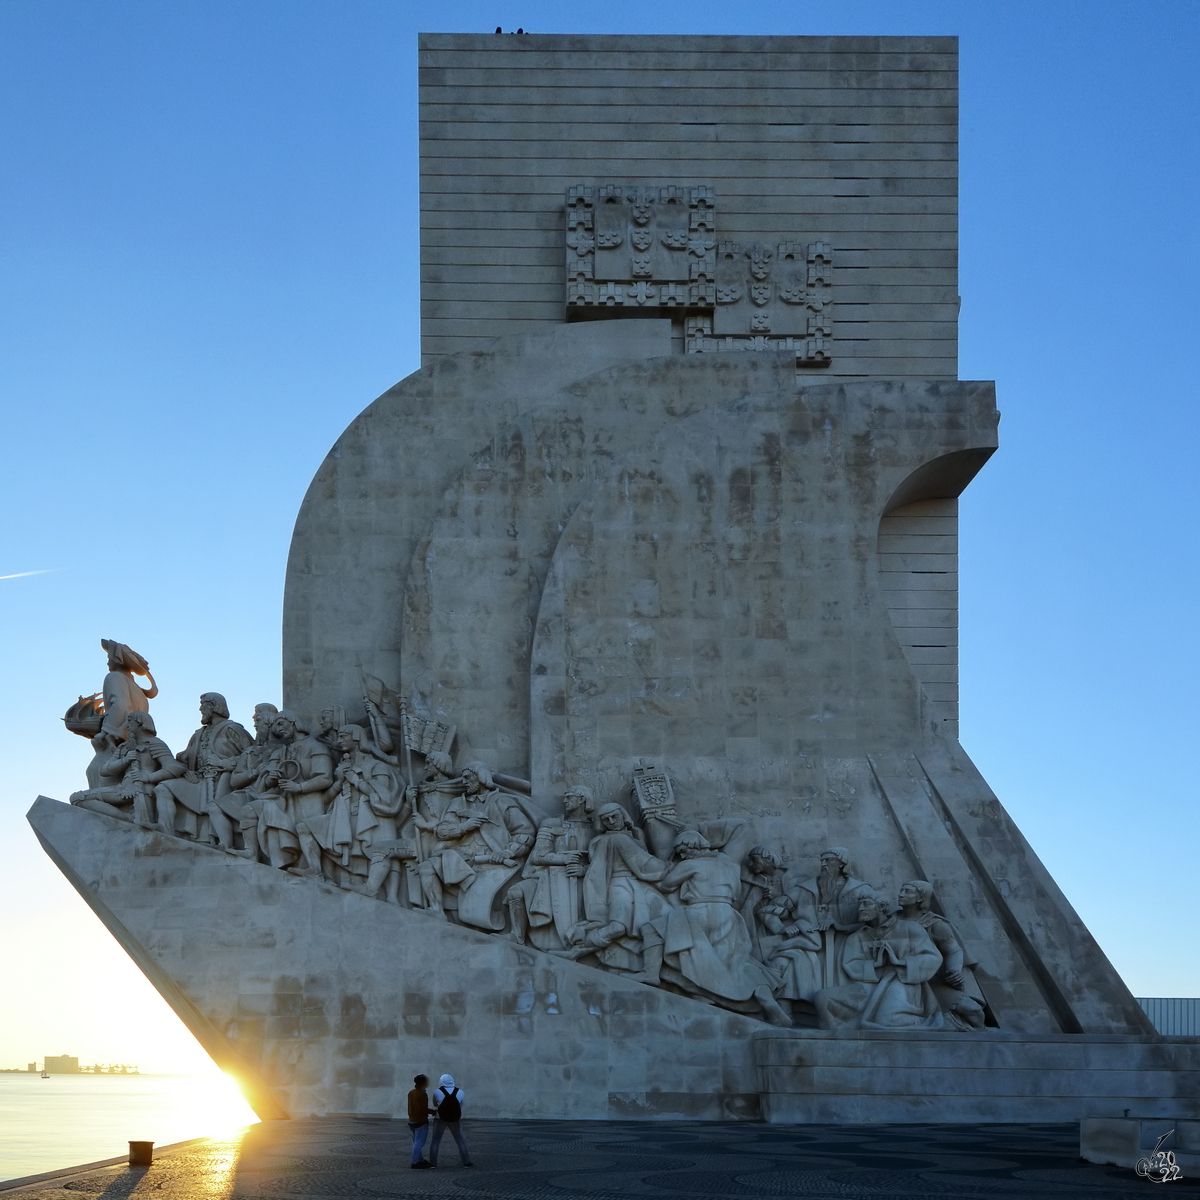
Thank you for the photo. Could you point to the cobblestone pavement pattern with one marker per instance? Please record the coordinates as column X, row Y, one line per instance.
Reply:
column 361, row 1157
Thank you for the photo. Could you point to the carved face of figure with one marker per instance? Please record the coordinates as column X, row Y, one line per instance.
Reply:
column 329, row 721
column 207, row 711
column 347, row 741
column 832, row 866
column 762, row 865
column 868, row 911
column 283, row 729
column 612, row 821
column 262, row 721
column 575, row 805
column 471, row 784
column 909, row 896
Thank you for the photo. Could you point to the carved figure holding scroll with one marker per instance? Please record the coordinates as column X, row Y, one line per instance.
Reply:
column 483, row 836
column 889, row 962
column 619, row 896
column 296, row 765
column 142, row 761
column 208, row 760
column 548, row 902
column 703, row 945
column 954, row 983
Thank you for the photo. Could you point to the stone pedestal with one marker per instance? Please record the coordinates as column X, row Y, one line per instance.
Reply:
column 886, row 1078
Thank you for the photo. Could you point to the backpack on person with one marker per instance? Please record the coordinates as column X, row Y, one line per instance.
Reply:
column 449, row 1109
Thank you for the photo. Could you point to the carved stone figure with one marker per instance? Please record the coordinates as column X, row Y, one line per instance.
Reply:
column 383, row 742
column 833, row 896
column 798, row 956
column 352, row 831
column 619, row 898
column 703, row 945
column 482, row 837
column 225, row 813
column 826, row 906
column 427, row 802
column 431, row 797
column 264, row 714
column 208, row 759
column 296, row 769
column 763, row 898
column 121, row 694
column 329, row 727
column 954, row 982
column 142, row 761
column 889, row 963
column 547, row 904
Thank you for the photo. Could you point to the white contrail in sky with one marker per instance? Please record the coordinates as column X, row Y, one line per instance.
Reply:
column 22, row 574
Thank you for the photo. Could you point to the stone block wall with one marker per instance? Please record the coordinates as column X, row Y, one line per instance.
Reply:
column 850, row 140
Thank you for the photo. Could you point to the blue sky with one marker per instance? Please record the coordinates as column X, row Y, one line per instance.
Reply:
column 208, row 266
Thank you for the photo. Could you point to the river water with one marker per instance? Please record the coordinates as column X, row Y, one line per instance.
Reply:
column 65, row 1120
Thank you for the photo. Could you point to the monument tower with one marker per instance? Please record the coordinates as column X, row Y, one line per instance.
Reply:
column 618, row 764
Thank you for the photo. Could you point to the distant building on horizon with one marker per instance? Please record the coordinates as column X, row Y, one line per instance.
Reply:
column 60, row 1064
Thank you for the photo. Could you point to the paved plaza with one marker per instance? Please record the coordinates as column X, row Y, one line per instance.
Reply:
column 359, row 1157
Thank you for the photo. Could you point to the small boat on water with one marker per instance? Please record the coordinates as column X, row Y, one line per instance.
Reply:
column 45, row 1074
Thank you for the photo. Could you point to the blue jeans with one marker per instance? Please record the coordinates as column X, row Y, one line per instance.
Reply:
column 440, row 1127
column 419, row 1134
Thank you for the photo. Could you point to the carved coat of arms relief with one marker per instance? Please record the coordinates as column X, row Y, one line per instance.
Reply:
column 638, row 249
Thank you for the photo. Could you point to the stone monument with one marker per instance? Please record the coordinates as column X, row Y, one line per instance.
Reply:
column 617, row 768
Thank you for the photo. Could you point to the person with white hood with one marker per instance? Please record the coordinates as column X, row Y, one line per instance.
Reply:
column 448, row 1107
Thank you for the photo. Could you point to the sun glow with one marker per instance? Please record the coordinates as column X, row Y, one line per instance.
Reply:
column 216, row 1105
